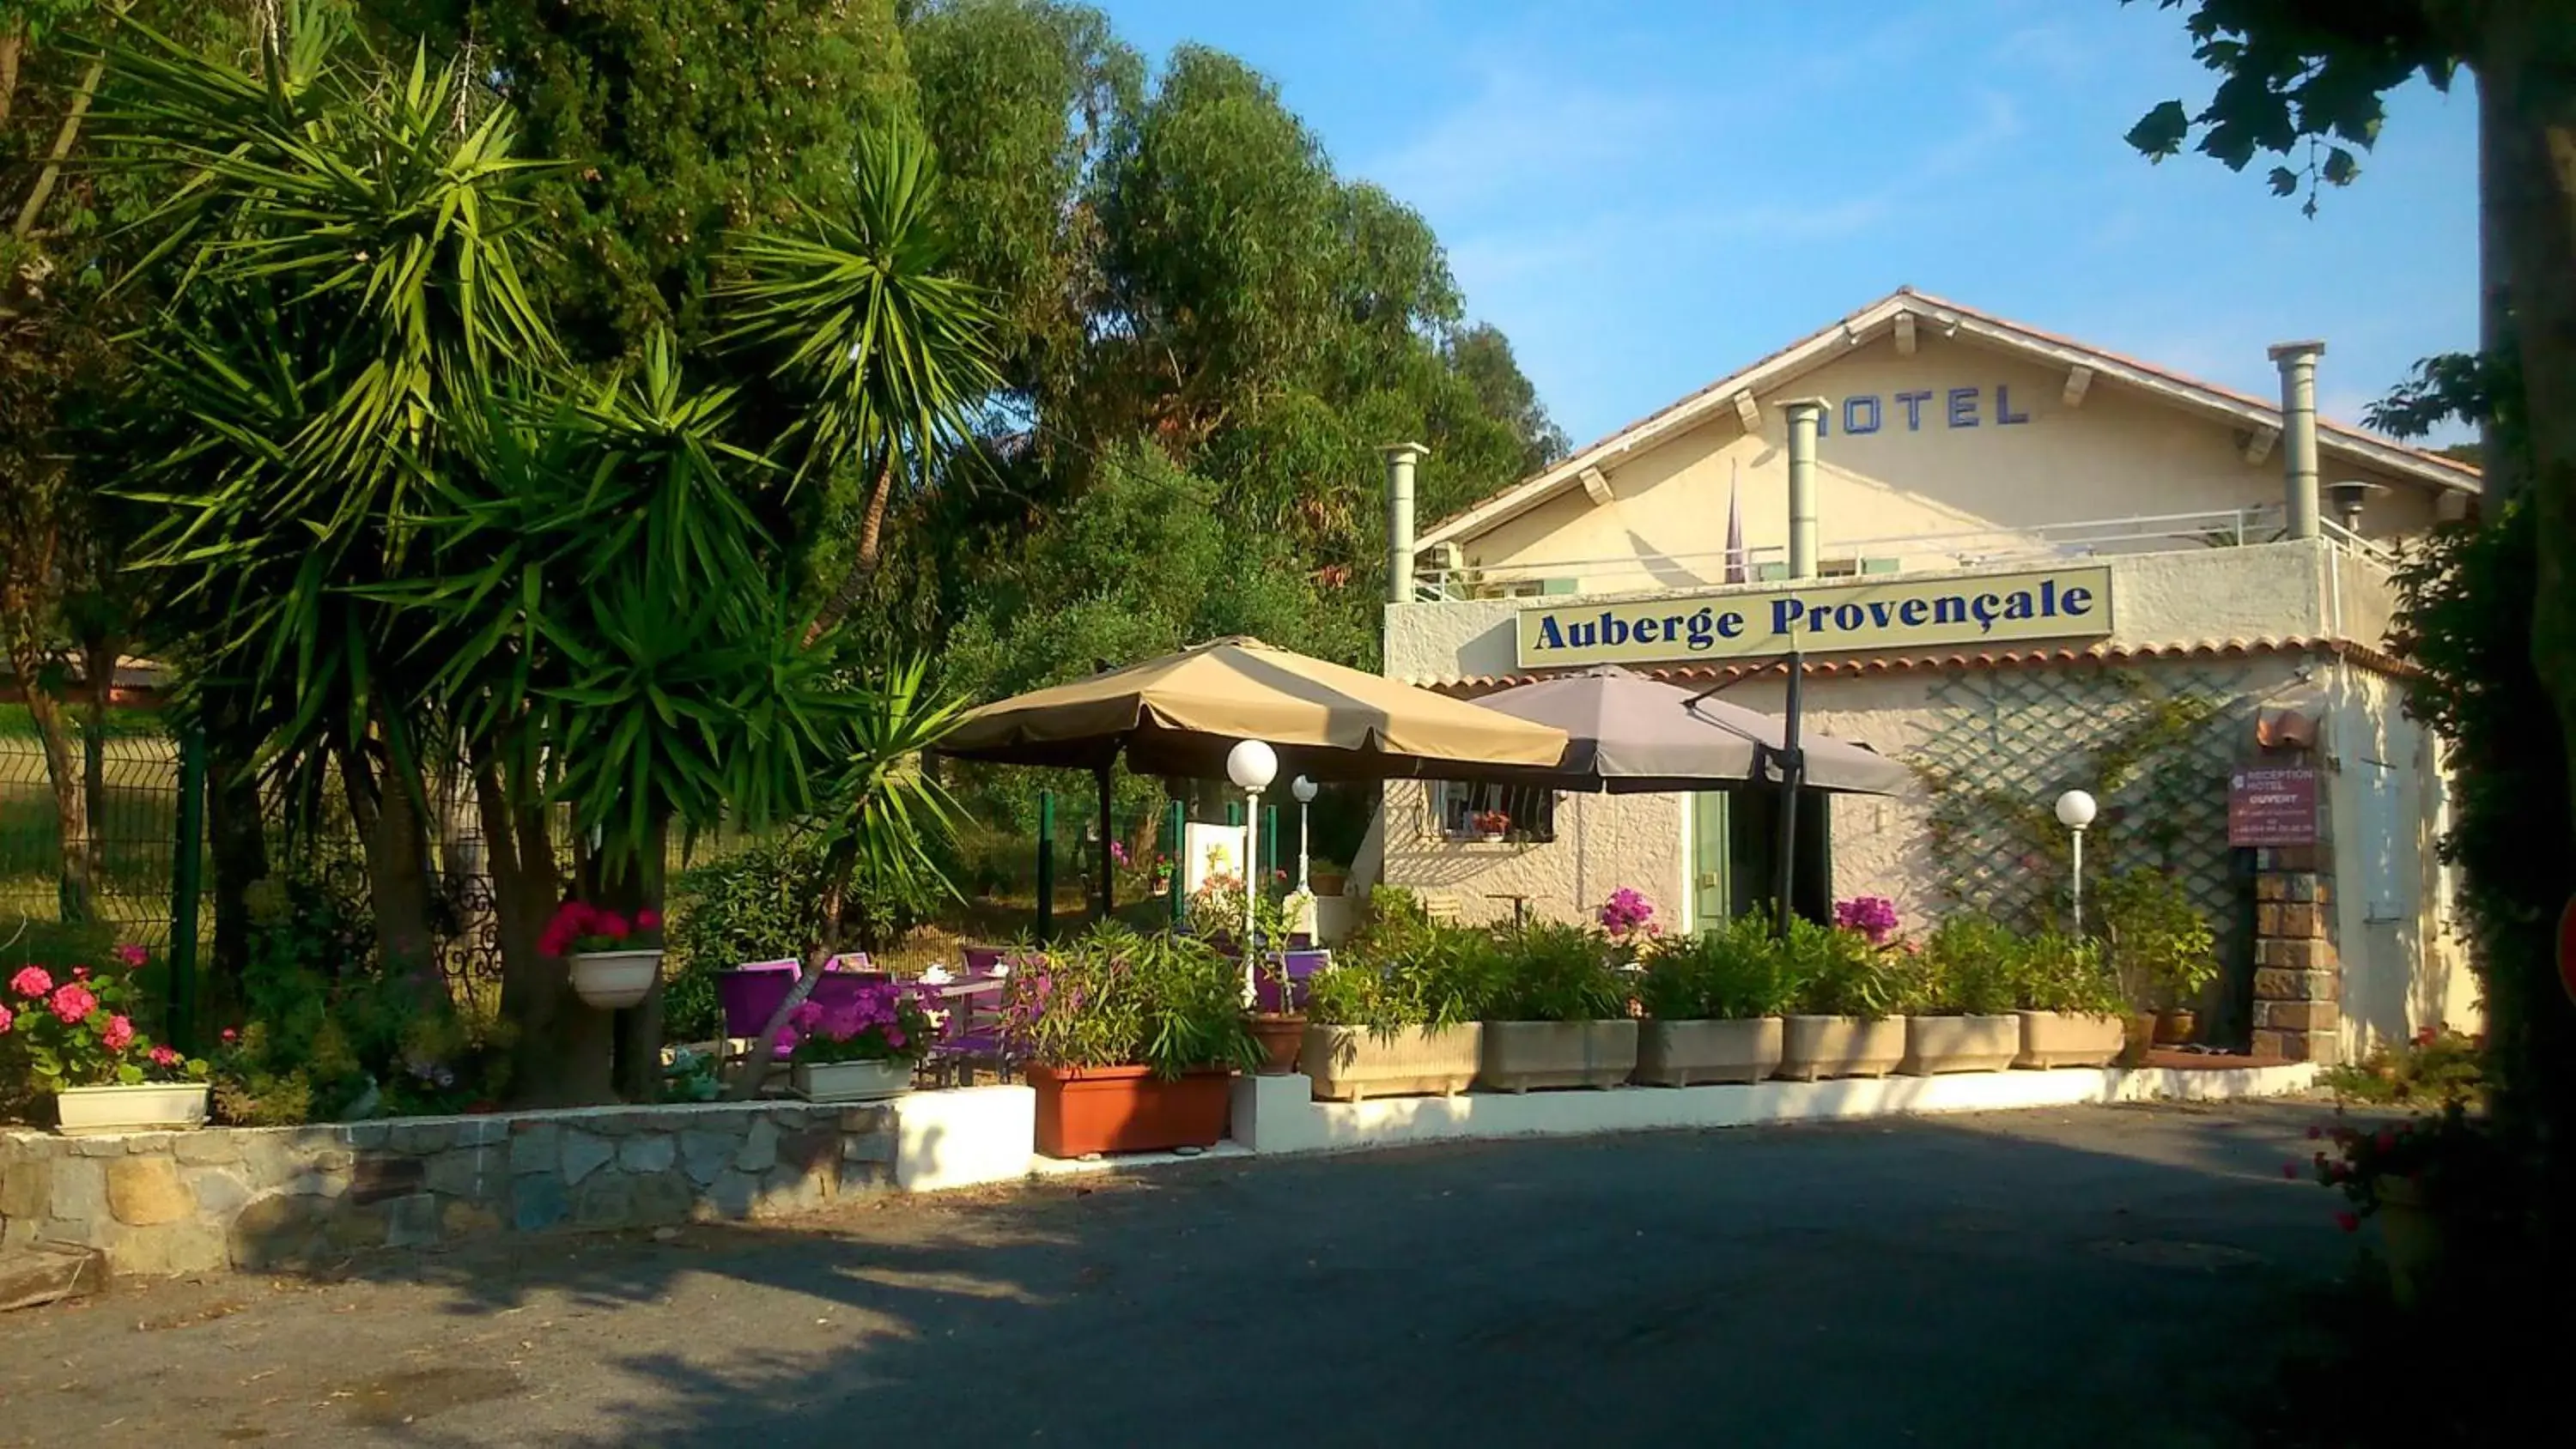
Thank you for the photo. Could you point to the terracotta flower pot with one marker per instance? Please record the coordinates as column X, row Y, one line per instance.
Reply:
column 1281, row 1035
column 1082, row 1110
column 2412, row 1235
column 2174, row 1027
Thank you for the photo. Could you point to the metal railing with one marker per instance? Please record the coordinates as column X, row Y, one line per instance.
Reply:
column 1967, row 549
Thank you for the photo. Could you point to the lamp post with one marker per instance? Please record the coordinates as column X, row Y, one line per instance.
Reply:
column 2075, row 811
column 1304, row 789
column 1251, row 765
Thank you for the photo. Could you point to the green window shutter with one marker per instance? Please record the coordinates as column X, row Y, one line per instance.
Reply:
column 1553, row 587
column 1878, row 565
column 1770, row 572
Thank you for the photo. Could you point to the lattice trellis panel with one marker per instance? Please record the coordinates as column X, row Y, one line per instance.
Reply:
column 2012, row 740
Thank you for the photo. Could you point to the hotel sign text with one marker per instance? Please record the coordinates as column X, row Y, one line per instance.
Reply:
column 1818, row 617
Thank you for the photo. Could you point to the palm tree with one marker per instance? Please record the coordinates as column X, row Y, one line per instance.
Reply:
column 884, row 355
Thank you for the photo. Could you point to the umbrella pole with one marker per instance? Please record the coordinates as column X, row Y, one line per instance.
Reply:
column 1108, row 869
column 1792, row 773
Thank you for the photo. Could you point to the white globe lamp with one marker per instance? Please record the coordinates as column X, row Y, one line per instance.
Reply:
column 1305, row 791
column 2075, row 810
column 1251, row 765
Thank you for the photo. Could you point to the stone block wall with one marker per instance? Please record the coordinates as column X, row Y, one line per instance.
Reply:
column 282, row 1197
column 2298, row 979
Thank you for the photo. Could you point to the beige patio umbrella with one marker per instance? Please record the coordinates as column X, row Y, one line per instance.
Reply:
column 1179, row 714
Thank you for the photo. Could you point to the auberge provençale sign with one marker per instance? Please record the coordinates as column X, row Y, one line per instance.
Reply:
column 1821, row 617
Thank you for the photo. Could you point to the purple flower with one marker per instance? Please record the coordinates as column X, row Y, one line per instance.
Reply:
column 1626, row 912
column 1118, row 852
column 1872, row 916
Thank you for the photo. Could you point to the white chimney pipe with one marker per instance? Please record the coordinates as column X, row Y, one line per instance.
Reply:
column 2298, row 364
column 1400, row 458
column 1804, row 415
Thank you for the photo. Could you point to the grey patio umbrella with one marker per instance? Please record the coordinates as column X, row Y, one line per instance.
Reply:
column 1630, row 735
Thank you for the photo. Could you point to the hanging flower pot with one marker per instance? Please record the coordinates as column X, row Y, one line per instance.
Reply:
column 614, row 961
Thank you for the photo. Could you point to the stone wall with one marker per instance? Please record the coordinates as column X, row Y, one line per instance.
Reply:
column 279, row 1197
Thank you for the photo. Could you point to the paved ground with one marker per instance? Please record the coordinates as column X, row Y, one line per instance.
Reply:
column 2098, row 1276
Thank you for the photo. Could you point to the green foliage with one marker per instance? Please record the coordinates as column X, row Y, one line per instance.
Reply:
column 328, row 1035
column 2298, row 82
column 760, row 902
column 1115, row 997
column 74, row 1025
column 2159, row 943
column 1733, row 971
column 1972, row 966
column 1839, row 973
column 1406, row 970
column 2056, row 973
column 1552, row 971
column 2436, row 1069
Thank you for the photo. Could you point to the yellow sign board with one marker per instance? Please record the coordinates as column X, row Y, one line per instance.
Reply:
column 1822, row 617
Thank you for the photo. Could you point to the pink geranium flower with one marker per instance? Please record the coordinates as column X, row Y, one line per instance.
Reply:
column 130, row 954
column 163, row 1056
column 31, row 982
column 73, row 1002
column 6, row 1017
column 119, row 1034
column 648, row 919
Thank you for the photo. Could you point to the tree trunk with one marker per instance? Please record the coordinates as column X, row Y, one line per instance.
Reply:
column 638, row 1069
column 564, row 1049
column 13, row 44
column 237, row 840
column 2529, row 61
column 64, row 139
column 398, row 891
column 863, row 564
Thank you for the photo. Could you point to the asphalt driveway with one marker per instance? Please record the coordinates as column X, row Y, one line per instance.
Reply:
column 2096, row 1276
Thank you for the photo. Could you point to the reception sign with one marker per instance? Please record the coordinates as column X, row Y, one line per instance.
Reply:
column 2275, row 806
column 1821, row 617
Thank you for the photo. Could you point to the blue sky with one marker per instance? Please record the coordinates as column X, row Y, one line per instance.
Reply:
column 1647, row 195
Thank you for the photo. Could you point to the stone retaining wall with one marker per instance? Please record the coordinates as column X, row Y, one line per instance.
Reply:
column 276, row 1197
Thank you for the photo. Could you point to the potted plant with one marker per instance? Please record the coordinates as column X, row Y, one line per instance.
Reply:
column 1713, row 1003
column 2072, row 1013
column 1628, row 919
column 1491, row 825
column 74, row 1038
column 1968, row 1021
column 2161, row 947
column 614, row 961
column 1130, row 1040
column 860, row 1047
column 2421, row 1178
column 1395, row 1014
column 1846, row 1020
column 1557, row 1014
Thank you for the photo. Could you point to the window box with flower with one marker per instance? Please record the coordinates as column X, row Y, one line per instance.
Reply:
column 1853, row 987
column 614, row 961
column 862, row 1047
column 1713, row 1006
column 1556, row 1014
column 1962, row 979
column 72, row 1035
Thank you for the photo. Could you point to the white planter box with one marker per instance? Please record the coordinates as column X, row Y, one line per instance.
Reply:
column 1521, row 1055
column 1351, row 1063
column 614, row 980
column 850, row 1081
column 1687, row 1053
column 2064, row 1039
column 1960, row 1044
column 152, row 1107
column 1840, row 1046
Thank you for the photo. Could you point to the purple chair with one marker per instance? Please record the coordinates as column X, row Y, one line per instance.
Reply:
column 750, row 994
column 1297, row 966
column 980, row 960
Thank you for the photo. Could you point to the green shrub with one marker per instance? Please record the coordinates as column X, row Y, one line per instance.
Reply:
column 1117, row 997
column 2438, row 1069
column 1550, row 971
column 1839, row 973
column 2058, row 973
column 1972, row 966
column 2161, row 946
column 1421, row 974
column 1731, row 972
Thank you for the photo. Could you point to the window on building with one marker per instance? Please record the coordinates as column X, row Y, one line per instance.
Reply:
column 1465, row 811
